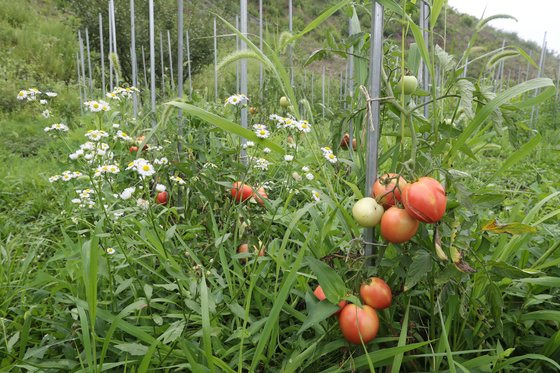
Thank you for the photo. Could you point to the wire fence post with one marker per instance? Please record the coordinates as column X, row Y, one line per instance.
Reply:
column 82, row 64
column 78, row 82
column 162, row 63
column 243, row 82
column 144, row 69
column 114, row 29
column 170, row 60
column 110, row 49
column 290, row 22
column 350, row 80
column 376, row 57
column 260, row 47
column 237, row 87
column 102, row 54
column 152, row 63
column 133, row 59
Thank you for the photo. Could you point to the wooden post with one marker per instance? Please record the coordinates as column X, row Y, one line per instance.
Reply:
column 376, row 57
column 133, row 59
column 243, row 78
column 170, row 60
column 102, row 54
column 152, row 63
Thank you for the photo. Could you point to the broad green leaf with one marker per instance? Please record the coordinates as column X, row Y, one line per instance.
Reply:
column 518, row 155
column 547, row 315
column 420, row 266
column 225, row 125
column 547, row 281
column 490, row 107
column 435, row 11
column 319, row 312
column 135, row 349
column 328, row 278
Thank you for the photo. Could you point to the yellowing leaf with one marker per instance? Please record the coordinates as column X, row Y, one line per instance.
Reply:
column 511, row 228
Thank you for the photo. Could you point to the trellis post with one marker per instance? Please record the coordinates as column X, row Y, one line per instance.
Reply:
column 144, row 69
column 215, row 62
column 162, row 63
column 323, row 91
column 133, row 59
column 237, row 87
column 102, row 54
column 423, row 70
column 79, row 84
column 170, row 60
column 376, row 57
column 110, row 48
column 189, row 62
column 152, row 63
column 114, row 30
column 243, row 78
column 83, row 69
column 89, row 63
column 260, row 47
column 290, row 22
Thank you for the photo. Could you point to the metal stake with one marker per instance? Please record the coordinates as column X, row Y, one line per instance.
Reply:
column 102, row 54
column 170, row 61
column 152, row 63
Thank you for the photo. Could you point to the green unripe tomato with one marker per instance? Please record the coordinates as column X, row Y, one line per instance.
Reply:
column 409, row 84
column 367, row 212
column 284, row 102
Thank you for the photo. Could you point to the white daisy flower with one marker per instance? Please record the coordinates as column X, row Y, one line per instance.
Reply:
column 160, row 188
column 145, row 169
column 123, row 136
column 178, row 180
column 250, row 144
column 110, row 251
column 127, row 193
column 316, row 195
column 59, row 127
column 326, row 150
column 22, row 95
column 288, row 157
column 43, row 102
column 262, row 133
column 262, row 163
column 303, row 126
column 51, row 94
column 331, row 157
column 309, row 176
column 161, row 161
column 46, row 113
column 54, row 178
column 76, row 200
column 142, row 203
column 259, row 126
column 305, row 169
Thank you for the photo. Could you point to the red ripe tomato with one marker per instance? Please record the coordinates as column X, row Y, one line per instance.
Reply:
column 385, row 191
column 356, row 322
column 260, row 196
column 320, row 294
column 243, row 248
column 241, row 192
column 162, row 197
column 376, row 293
column 397, row 226
column 133, row 149
column 425, row 200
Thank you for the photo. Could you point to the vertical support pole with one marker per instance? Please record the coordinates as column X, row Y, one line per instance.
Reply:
column 152, row 63
column 83, row 68
column 376, row 56
column 133, row 59
column 312, row 88
column 291, row 52
column 78, row 82
column 350, row 82
column 260, row 47
column 243, row 82
column 189, row 62
column 423, row 70
column 170, row 60
column 114, row 30
column 237, row 63
column 323, row 92
column 145, row 70
column 110, row 48
column 215, row 62
column 501, row 67
column 102, row 54
column 340, row 90
column 162, row 63
column 539, row 74
column 89, row 63
column 180, row 36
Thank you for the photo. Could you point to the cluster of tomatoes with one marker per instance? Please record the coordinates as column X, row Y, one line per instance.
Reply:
column 241, row 192
column 423, row 201
column 356, row 323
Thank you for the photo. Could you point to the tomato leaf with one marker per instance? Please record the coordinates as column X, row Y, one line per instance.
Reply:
column 420, row 266
column 330, row 281
column 511, row 228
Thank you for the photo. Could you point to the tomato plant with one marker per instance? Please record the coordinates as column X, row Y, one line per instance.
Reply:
column 386, row 189
column 320, row 294
column 358, row 324
column 367, row 212
column 241, row 192
column 425, row 200
column 397, row 226
column 376, row 293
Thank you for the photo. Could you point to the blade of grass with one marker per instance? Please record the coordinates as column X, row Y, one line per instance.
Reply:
column 397, row 361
